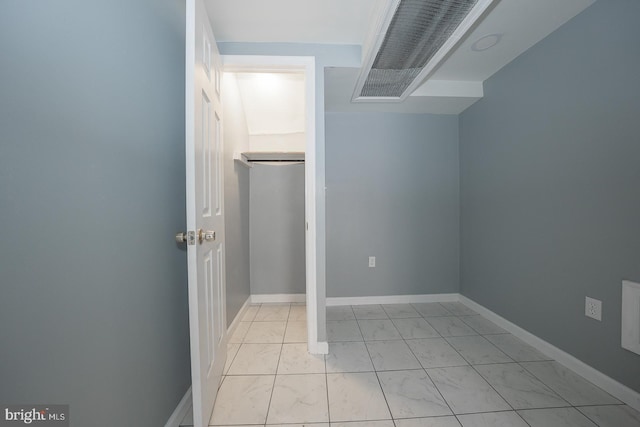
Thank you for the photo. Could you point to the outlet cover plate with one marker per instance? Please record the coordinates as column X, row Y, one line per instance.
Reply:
column 593, row 308
column 372, row 261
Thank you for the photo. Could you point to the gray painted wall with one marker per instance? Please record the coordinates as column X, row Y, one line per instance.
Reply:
column 93, row 310
column 277, row 229
column 392, row 192
column 236, row 199
column 551, row 186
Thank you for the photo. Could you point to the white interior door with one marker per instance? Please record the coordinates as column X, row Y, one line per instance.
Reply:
column 205, row 214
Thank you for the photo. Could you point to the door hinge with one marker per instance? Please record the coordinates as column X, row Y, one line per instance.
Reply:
column 191, row 237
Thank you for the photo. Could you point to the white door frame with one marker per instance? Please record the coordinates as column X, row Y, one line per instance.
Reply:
column 265, row 63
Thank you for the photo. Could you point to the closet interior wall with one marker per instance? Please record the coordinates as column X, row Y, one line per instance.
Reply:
column 265, row 203
column 277, row 228
column 236, row 199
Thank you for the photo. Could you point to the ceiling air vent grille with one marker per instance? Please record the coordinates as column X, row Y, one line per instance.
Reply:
column 417, row 37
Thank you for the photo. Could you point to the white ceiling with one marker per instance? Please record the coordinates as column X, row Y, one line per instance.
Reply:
column 522, row 24
column 292, row 21
column 452, row 87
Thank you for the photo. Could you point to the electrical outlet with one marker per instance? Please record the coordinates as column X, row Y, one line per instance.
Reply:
column 372, row 261
column 593, row 308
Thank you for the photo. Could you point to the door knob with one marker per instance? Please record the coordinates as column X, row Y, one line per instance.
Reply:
column 208, row 235
column 189, row 238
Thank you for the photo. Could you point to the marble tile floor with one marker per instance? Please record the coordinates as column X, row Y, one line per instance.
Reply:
column 400, row 365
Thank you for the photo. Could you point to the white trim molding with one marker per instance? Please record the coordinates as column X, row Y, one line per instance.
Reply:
column 236, row 320
column 319, row 347
column 392, row 299
column 277, row 298
column 608, row 384
column 314, row 179
column 181, row 410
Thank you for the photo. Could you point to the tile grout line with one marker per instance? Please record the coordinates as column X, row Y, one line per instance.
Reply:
column 475, row 370
column 490, row 363
column 441, row 395
column 404, row 339
column 375, row 372
column 463, row 358
column 562, row 397
column 275, row 377
column 476, row 333
column 571, row 406
column 425, row 370
column 325, row 365
column 458, row 316
column 588, row 417
column 541, row 382
column 326, row 382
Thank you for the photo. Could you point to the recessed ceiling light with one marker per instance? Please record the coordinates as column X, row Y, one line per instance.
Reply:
column 486, row 42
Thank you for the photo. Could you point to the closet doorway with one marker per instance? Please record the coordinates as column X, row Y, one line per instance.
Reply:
column 277, row 96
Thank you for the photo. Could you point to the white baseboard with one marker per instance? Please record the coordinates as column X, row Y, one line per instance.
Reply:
column 181, row 410
column 236, row 320
column 277, row 298
column 608, row 384
column 321, row 347
column 392, row 299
